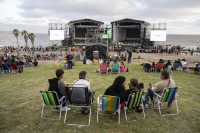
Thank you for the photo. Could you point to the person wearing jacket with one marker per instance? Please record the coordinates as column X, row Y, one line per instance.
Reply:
column 69, row 59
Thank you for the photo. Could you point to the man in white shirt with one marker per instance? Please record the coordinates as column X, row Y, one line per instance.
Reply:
column 78, row 94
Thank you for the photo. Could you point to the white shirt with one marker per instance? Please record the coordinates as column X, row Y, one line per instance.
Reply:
column 81, row 81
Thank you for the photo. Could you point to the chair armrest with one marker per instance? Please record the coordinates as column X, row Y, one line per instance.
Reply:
column 62, row 98
column 92, row 94
column 157, row 95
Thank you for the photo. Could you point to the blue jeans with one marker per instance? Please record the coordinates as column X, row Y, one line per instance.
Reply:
column 151, row 94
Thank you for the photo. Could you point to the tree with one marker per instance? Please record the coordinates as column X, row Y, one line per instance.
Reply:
column 16, row 33
column 31, row 36
column 25, row 34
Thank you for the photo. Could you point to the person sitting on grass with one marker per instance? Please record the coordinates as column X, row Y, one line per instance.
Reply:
column 35, row 63
column 145, row 66
column 78, row 94
column 8, row 64
column 57, row 85
column 122, row 67
column 158, row 88
column 196, row 69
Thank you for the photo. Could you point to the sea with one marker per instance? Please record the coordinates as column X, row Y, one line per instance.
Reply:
column 187, row 41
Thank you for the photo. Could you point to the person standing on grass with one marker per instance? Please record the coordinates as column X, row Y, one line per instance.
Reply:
column 69, row 59
column 57, row 85
column 129, row 55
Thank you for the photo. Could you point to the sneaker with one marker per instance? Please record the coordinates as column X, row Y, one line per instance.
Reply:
column 146, row 106
column 114, row 112
column 64, row 109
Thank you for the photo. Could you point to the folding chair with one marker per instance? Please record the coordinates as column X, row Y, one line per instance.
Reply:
column 146, row 67
column 86, row 104
column 103, row 68
column 115, row 68
column 5, row 68
column 134, row 100
column 177, row 65
column 14, row 67
column 159, row 66
column 185, row 67
column 169, row 67
column 108, row 103
column 168, row 95
column 50, row 98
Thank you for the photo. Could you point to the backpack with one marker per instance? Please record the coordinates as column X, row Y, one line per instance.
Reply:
column 127, row 70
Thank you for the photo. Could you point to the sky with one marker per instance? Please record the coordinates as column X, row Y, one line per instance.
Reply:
column 181, row 16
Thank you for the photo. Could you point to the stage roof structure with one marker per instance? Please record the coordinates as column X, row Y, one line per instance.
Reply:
column 86, row 21
column 128, row 21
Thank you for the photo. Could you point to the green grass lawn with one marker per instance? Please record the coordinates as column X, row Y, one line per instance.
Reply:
column 20, row 103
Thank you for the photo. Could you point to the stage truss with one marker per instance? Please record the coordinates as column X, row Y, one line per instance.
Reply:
column 155, row 26
column 56, row 26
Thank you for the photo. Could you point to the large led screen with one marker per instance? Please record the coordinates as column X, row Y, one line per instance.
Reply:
column 56, row 34
column 108, row 35
column 158, row 35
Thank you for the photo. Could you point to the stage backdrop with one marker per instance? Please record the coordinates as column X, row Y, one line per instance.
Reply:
column 96, row 47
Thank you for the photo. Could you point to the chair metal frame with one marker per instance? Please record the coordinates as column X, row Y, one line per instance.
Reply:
column 99, row 106
column 159, row 98
column 126, row 107
column 90, row 105
column 61, row 102
column 9, row 70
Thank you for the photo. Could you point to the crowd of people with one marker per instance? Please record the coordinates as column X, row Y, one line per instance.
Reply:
column 148, row 66
column 118, row 88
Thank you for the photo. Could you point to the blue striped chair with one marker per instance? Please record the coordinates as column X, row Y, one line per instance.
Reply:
column 50, row 98
column 108, row 103
column 168, row 95
column 134, row 100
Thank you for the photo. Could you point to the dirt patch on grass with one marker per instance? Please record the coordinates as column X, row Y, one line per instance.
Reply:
column 21, row 104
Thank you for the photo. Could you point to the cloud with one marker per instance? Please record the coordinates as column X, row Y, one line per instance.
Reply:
column 181, row 13
column 2, row 1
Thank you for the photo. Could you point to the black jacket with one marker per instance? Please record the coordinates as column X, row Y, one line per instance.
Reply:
column 123, row 95
column 53, row 86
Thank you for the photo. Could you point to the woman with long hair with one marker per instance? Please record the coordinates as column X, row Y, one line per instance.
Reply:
column 118, row 88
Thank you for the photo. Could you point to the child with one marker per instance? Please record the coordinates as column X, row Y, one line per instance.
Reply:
column 145, row 95
column 122, row 67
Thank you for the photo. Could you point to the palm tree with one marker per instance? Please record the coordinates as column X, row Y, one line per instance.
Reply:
column 25, row 34
column 16, row 33
column 31, row 36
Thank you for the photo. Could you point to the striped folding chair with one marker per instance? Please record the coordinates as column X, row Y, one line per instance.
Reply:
column 103, row 68
column 134, row 100
column 50, row 98
column 108, row 103
column 168, row 95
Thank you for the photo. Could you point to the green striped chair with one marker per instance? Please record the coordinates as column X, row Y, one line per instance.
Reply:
column 167, row 96
column 108, row 103
column 134, row 100
column 50, row 98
